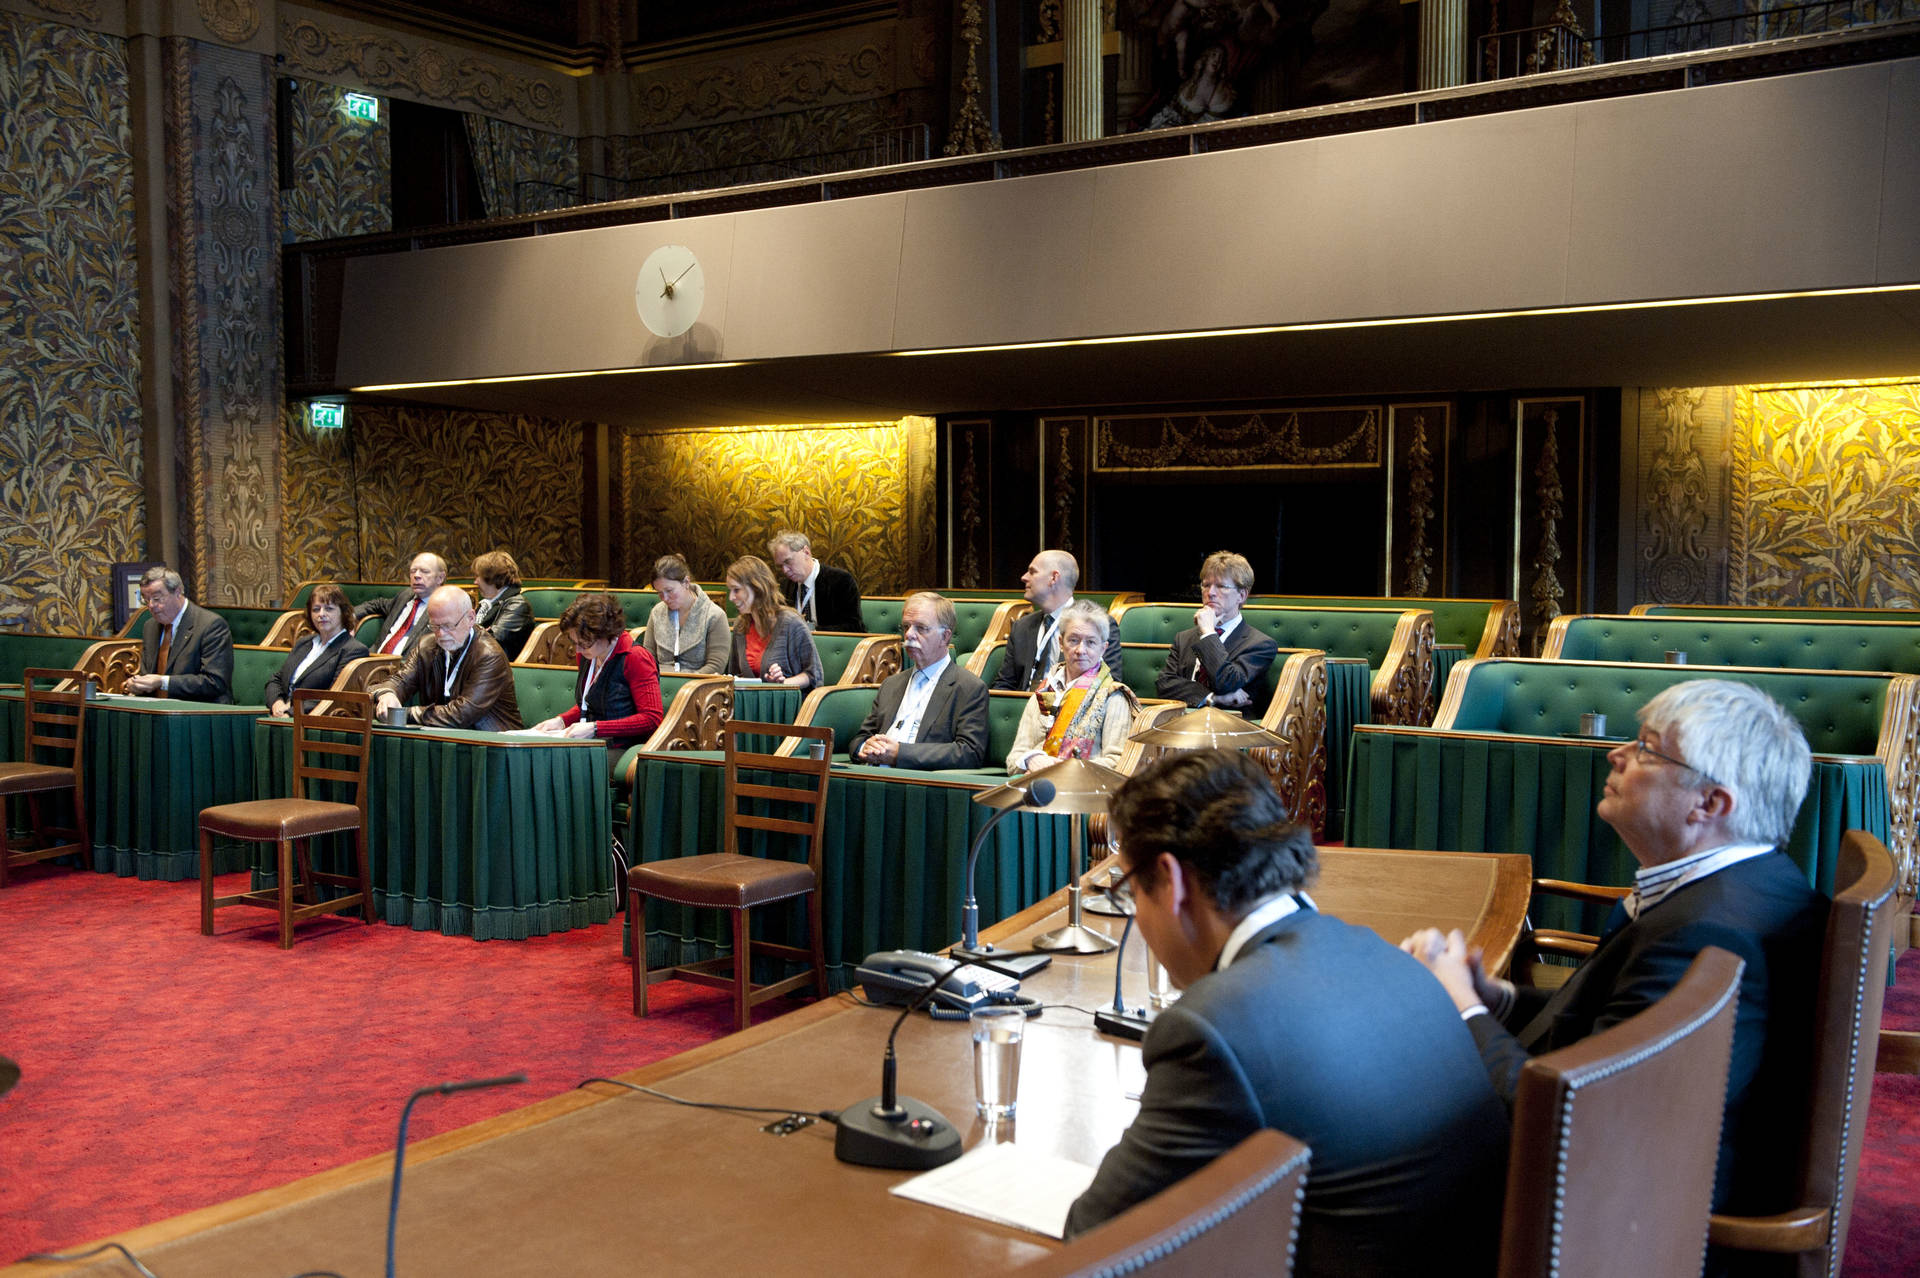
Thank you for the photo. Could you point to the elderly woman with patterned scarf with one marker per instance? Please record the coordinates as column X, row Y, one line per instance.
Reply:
column 1081, row 711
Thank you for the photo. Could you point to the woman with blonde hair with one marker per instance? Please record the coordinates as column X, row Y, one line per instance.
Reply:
column 770, row 641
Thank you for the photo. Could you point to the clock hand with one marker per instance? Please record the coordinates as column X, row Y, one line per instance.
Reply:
column 682, row 275
column 666, row 289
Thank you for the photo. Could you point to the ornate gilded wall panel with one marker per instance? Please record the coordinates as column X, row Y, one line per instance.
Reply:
column 969, row 497
column 1682, row 472
column 71, row 497
column 1420, row 438
column 823, row 67
column 761, row 149
column 403, row 478
column 1825, row 500
column 1550, row 497
column 1263, row 439
column 1063, row 483
column 863, row 492
column 342, row 168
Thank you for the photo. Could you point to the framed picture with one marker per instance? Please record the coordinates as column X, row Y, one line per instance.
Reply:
column 126, row 592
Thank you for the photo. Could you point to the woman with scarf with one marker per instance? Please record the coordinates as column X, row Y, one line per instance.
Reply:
column 1081, row 711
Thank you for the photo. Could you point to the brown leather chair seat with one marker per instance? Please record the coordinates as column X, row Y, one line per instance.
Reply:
column 56, row 725
column 27, row 778
column 722, row 880
column 268, row 820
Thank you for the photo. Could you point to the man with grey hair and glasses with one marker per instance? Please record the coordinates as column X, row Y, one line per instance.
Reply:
column 1703, row 798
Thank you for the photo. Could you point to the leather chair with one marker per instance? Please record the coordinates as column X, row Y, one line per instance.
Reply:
column 291, row 824
column 1845, row 1035
column 1615, row 1138
column 56, row 725
column 732, row 880
column 1238, row 1215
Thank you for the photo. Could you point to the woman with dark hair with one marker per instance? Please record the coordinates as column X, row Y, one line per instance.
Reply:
column 504, row 612
column 316, row 660
column 686, row 631
column 617, row 696
column 770, row 641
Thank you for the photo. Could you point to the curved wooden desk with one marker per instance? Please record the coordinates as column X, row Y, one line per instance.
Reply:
column 605, row 1182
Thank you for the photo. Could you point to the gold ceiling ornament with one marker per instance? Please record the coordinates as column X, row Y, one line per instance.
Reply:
column 972, row 133
column 234, row 21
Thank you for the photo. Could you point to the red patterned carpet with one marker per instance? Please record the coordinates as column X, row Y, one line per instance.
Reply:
column 163, row 1071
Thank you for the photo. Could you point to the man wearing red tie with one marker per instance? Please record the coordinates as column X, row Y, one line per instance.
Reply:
column 404, row 617
column 186, row 652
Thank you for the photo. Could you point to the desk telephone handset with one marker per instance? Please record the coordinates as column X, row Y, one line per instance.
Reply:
column 897, row 977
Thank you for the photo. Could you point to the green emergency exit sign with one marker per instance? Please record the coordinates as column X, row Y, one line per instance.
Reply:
column 360, row 106
column 326, row 415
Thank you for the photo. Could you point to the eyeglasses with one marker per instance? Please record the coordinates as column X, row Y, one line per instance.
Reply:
column 1641, row 750
column 446, row 629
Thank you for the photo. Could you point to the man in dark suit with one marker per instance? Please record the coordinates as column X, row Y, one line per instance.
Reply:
column 186, row 652
column 1294, row 1020
column 403, row 625
column 933, row 714
column 1702, row 799
column 1222, row 659
column 1033, row 645
column 827, row 598
column 461, row 680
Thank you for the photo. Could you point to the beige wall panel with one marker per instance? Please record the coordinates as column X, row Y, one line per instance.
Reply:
column 998, row 262
column 1771, row 184
column 817, row 279
column 1465, row 215
column 1900, row 197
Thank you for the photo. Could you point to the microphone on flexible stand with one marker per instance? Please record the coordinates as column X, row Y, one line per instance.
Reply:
column 1007, row 962
column 1120, row 1020
column 400, row 1146
column 891, row 1130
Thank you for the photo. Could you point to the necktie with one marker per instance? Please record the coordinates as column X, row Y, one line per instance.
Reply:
column 399, row 635
column 166, row 654
column 1199, row 667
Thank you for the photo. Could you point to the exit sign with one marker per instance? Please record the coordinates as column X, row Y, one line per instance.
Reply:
column 360, row 106
column 326, row 415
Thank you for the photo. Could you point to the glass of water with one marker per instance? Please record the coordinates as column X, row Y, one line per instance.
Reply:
column 997, row 1031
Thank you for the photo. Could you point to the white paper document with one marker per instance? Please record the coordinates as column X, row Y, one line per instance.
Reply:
column 1006, row 1184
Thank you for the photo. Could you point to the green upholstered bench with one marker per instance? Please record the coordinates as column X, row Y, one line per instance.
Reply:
column 1766, row 612
column 1773, row 643
column 857, row 658
column 1105, row 598
column 46, row 652
column 253, row 665
column 249, row 625
column 1483, row 627
column 985, row 662
column 1502, row 769
column 882, row 613
column 548, row 603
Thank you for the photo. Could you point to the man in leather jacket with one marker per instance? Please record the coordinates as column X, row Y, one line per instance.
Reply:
column 460, row 680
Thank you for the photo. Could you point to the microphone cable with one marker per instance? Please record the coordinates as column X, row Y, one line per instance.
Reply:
column 400, row 1145
column 789, row 1112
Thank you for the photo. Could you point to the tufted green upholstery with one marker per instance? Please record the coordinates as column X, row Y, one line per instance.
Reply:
column 252, row 667
column 249, row 625
column 1727, row 641
column 836, row 649
column 1003, row 725
column 548, row 604
column 990, row 664
column 368, row 631
column 1458, row 621
column 52, row 652
column 974, row 616
column 882, row 615
column 1339, row 632
column 1765, row 613
column 843, row 710
column 1840, row 712
column 545, row 691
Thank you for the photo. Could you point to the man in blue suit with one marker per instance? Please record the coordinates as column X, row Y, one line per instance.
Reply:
column 1297, row 1021
column 1702, row 798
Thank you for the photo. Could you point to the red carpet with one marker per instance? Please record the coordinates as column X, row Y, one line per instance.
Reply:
column 164, row 1071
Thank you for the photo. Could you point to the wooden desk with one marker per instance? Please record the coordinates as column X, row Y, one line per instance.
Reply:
column 592, row 1183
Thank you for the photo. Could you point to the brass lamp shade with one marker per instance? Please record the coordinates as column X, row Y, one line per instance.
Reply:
column 1079, row 785
column 1209, row 726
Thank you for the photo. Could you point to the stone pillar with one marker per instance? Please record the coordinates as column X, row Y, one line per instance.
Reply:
column 1443, row 43
column 1081, row 117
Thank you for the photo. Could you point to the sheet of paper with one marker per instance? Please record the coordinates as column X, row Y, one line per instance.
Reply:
column 1006, row 1184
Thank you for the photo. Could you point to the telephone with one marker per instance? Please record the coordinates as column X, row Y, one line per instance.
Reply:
column 897, row 977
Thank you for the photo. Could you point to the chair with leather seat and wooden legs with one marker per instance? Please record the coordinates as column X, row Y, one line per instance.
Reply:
column 735, row 881
column 56, row 726
column 292, row 823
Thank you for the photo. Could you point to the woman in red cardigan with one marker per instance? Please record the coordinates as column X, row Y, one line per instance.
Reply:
column 617, row 697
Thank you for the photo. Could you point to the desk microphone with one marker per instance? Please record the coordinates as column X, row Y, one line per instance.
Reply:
column 891, row 1130
column 400, row 1146
column 1120, row 1020
column 1007, row 962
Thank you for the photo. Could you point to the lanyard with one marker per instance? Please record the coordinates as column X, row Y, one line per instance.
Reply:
column 446, row 689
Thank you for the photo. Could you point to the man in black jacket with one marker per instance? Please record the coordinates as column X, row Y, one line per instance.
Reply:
column 1222, row 659
column 1702, row 799
column 827, row 598
column 186, row 652
column 1033, row 645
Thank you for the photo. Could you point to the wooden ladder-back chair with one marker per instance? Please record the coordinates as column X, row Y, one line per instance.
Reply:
column 1615, row 1139
column 1844, row 1038
column 292, row 823
column 56, row 725
column 732, row 880
column 1236, row 1216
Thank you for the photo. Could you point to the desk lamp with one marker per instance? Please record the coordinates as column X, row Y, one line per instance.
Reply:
column 1080, row 786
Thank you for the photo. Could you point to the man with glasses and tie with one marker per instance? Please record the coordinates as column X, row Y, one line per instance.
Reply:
column 933, row 713
column 461, row 680
column 403, row 624
column 186, row 651
column 827, row 598
column 1222, row 659
column 1703, row 799
column 1033, row 645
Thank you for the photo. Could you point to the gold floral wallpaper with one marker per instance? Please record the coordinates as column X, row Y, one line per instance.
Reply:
column 862, row 491
column 358, row 504
column 1824, row 495
column 522, row 170
column 342, row 169
column 71, row 497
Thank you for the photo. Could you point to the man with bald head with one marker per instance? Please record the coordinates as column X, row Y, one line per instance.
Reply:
column 1033, row 645
column 460, row 680
column 404, row 625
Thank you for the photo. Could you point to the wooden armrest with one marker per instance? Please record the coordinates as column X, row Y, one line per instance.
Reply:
column 1899, row 1052
column 1597, row 893
column 1548, row 940
column 1787, row 1233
